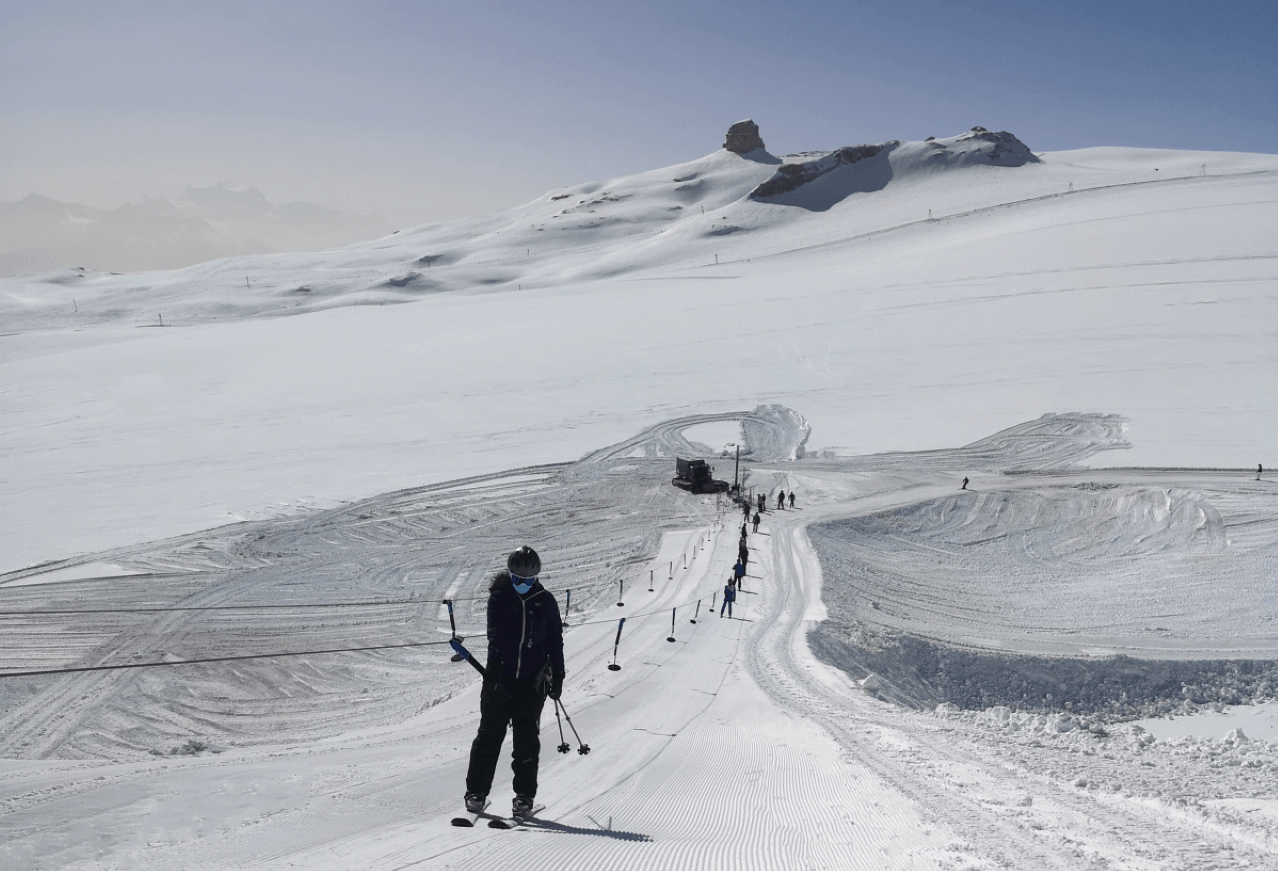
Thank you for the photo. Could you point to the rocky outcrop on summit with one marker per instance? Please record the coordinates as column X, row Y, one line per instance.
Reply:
column 819, row 180
column 743, row 137
column 792, row 176
column 979, row 145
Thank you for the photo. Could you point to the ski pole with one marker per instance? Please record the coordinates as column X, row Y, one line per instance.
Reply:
column 563, row 745
column 582, row 748
column 615, row 645
column 568, row 607
column 672, row 621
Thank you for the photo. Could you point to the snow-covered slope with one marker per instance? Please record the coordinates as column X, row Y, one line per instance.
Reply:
column 723, row 206
column 540, row 333
column 189, row 476
column 721, row 741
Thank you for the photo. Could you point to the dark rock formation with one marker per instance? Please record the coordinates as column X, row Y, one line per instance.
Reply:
column 791, row 176
column 743, row 137
column 1000, row 148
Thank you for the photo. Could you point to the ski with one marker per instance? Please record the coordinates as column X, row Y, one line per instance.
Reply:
column 512, row 822
column 469, row 820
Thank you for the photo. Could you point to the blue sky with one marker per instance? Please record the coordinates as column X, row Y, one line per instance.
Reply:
column 425, row 111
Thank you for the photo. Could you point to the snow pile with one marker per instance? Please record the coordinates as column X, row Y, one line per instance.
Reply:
column 1233, row 750
column 1216, row 784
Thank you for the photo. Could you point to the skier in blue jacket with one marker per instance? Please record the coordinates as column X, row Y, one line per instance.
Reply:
column 729, row 596
column 525, row 665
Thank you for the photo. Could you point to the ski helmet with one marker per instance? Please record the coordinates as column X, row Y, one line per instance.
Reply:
column 524, row 563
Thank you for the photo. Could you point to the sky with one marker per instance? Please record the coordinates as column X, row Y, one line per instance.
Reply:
column 426, row 111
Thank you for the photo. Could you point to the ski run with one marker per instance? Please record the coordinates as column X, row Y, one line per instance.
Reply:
column 228, row 538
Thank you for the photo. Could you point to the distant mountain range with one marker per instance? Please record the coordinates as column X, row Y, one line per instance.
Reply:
column 38, row 234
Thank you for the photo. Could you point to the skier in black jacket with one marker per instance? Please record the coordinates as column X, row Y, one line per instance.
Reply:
column 525, row 665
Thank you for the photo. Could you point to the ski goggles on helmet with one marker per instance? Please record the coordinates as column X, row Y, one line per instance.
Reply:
column 522, row 585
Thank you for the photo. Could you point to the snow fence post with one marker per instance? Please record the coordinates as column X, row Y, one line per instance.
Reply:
column 672, row 622
column 621, row 594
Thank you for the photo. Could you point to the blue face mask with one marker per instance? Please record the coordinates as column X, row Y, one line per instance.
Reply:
column 522, row 585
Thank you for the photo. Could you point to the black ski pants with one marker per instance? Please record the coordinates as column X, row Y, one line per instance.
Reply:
column 521, row 710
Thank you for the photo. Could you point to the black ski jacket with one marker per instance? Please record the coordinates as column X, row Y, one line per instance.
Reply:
column 525, row 633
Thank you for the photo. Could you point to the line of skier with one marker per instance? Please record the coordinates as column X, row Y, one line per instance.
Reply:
column 761, row 504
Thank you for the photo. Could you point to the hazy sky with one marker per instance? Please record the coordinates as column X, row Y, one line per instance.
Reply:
column 419, row 111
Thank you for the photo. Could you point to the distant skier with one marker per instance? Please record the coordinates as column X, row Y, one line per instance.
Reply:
column 964, row 487
column 1260, row 470
column 738, row 572
column 780, row 500
column 743, row 555
column 756, row 522
column 525, row 665
column 745, row 508
column 763, row 504
column 729, row 596
column 791, row 498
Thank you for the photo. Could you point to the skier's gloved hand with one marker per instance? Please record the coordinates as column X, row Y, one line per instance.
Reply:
column 556, row 686
column 494, row 678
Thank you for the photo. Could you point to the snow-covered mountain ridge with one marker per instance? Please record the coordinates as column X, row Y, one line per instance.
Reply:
column 721, row 207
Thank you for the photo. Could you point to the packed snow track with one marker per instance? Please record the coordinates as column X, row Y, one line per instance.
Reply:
column 914, row 676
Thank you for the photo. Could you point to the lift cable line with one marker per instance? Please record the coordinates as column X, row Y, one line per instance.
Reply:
column 246, row 657
column 49, row 671
column 167, row 609
column 89, row 668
